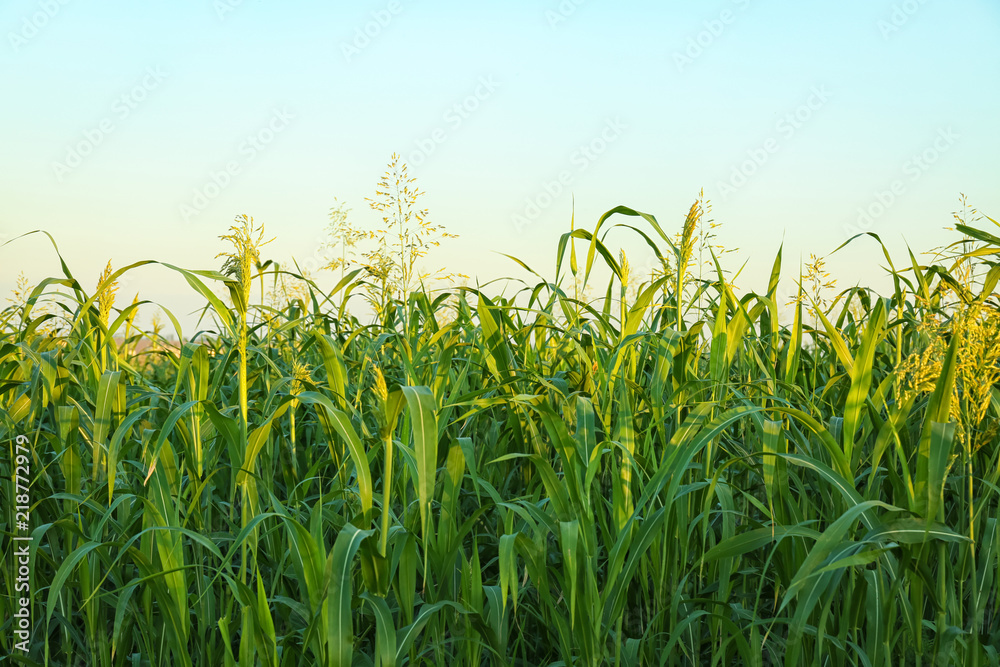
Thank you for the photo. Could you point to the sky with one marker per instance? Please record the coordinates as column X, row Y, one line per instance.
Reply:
column 140, row 130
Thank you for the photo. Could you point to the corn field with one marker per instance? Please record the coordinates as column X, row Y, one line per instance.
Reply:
column 669, row 474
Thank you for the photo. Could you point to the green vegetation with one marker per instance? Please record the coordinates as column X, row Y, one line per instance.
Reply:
column 669, row 475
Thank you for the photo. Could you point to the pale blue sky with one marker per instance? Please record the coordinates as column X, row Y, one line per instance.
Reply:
column 875, row 84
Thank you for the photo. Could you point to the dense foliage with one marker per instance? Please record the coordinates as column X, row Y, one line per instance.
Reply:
column 666, row 475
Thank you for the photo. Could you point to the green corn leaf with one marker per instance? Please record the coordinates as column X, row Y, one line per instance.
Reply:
column 861, row 377
column 340, row 631
column 425, row 438
column 107, row 392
